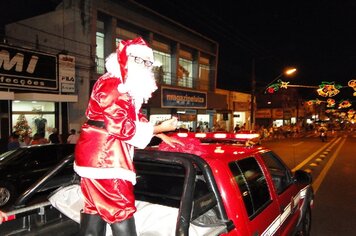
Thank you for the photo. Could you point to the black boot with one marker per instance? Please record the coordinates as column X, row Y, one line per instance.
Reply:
column 92, row 225
column 124, row 228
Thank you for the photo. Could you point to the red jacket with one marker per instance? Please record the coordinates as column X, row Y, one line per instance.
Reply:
column 108, row 151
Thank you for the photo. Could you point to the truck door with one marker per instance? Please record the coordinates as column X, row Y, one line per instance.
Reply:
column 262, row 210
column 288, row 193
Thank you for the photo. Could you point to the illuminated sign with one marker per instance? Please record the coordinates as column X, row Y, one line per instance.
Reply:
column 177, row 98
column 22, row 68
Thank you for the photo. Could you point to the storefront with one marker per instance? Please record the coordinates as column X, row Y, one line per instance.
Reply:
column 35, row 88
column 191, row 107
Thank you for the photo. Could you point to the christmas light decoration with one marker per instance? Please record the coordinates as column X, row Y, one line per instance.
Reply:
column 330, row 102
column 344, row 104
column 352, row 84
column 328, row 89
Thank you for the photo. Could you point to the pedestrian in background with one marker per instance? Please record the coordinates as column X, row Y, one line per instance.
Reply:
column 26, row 141
column 38, row 138
column 73, row 137
column 54, row 137
column 14, row 142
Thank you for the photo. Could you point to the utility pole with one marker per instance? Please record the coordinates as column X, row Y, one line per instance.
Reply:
column 253, row 88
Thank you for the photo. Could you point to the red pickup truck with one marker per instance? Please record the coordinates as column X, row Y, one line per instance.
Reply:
column 217, row 184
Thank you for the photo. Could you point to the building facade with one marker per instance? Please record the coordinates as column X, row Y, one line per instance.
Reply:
column 47, row 69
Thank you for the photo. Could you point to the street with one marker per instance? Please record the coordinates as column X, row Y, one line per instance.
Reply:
column 332, row 166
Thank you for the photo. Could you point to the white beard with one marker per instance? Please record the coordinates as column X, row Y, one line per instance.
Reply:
column 140, row 83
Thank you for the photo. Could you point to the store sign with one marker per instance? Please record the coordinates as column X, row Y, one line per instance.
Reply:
column 263, row 113
column 67, row 73
column 176, row 98
column 22, row 68
column 241, row 106
column 277, row 113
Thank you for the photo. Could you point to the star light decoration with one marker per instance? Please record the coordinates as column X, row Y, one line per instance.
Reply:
column 328, row 89
column 284, row 84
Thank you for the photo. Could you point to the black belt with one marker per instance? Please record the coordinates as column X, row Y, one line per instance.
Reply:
column 97, row 123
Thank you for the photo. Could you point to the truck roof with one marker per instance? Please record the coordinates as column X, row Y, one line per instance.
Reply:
column 221, row 146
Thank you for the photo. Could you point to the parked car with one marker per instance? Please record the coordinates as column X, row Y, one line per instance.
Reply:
column 22, row 167
column 204, row 188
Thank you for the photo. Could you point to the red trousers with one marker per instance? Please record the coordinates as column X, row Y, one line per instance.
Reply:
column 112, row 199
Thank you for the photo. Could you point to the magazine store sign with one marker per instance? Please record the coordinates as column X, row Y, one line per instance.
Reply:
column 22, row 68
column 176, row 98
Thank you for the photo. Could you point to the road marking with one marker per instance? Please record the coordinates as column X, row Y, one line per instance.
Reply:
column 314, row 154
column 323, row 173
column 297, row 144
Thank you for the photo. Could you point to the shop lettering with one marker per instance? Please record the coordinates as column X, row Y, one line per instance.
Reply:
column 17, row 62
column 67, row 79
column 24, row 82
column 184, row 98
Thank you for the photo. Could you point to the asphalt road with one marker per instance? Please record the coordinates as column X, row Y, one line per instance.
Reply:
column 333, row 167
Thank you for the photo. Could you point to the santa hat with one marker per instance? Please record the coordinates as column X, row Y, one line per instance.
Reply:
column 136, row 47
column 116, row 63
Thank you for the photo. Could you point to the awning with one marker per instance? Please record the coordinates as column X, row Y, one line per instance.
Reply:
column 7, row 95
column 49, row 97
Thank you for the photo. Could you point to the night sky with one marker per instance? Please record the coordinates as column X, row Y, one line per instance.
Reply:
column 317, row 37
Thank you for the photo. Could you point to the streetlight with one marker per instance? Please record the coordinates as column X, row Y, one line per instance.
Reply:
column 286, row 72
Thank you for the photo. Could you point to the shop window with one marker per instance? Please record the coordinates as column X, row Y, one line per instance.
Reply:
column 204, row 77
column 162, row 67
column 29, row 118
column 184, row 73
column 100, row 60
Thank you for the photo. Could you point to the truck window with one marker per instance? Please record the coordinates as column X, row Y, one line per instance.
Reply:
column 280, row 174
column 252, row 184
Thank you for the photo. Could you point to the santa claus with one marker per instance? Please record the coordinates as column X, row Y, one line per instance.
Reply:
column 115, row 125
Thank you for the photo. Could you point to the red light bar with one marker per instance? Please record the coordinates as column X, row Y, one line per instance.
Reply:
column 200, row 135
column 183, row 135
column 246, row 136
column 220, row 135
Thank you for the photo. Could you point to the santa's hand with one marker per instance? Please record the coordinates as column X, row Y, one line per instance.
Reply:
column 3, row 217
column 169, row 140
column 167, row 125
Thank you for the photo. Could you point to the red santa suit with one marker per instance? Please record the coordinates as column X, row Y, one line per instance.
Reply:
column 104, row 151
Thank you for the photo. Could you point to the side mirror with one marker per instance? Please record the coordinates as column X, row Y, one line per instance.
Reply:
column 303, row 177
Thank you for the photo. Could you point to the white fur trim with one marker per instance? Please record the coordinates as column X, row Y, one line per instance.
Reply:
column 105, row 173
column 122, row 88
column 143, row 135
column 112, row 65
column 140, row 51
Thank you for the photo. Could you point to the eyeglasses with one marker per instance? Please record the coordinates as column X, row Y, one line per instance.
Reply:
column 140, row 60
